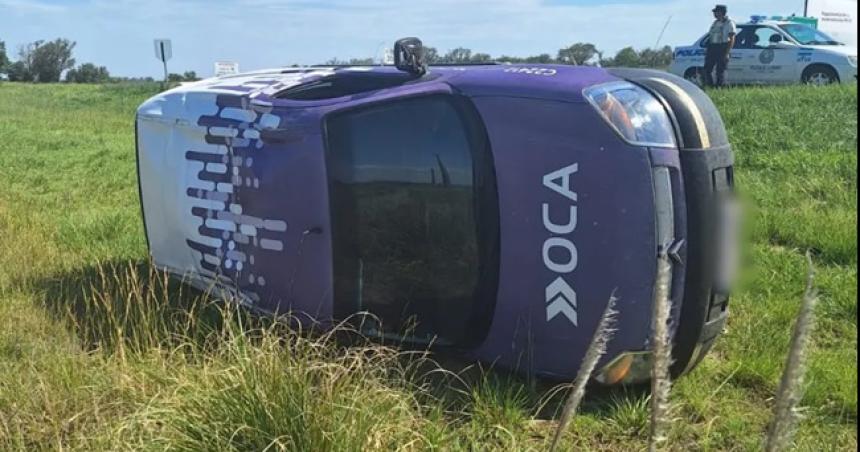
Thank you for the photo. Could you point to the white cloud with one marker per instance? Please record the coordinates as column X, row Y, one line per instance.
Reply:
column 31, row 6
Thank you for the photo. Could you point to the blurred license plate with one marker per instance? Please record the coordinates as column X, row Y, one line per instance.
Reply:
column 728, row 227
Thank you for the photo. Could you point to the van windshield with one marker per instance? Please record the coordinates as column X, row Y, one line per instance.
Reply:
column 412, row 201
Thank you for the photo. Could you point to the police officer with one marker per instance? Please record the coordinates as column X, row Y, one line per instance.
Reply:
column 721, row 39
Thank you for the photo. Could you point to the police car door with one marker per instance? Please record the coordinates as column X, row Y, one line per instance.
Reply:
column 696, row 57
column 744, row 55
column 774, row 57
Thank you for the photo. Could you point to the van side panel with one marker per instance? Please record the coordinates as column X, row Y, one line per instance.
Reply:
column 234, row 194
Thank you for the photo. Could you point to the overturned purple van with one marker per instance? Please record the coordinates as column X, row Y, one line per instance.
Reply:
column 490, row 210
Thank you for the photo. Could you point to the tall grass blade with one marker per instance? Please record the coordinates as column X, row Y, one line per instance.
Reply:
column 662, row 348
column 596, row 349
column 782, row 426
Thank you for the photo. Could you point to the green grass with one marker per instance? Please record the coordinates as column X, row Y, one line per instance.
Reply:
column 98, row 352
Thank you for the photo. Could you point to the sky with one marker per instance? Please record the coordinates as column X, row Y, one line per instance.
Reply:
column 270, row 33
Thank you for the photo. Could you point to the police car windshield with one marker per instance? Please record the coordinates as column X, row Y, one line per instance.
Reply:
column 807, row 35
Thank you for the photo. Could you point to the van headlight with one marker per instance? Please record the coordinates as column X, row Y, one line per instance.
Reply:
column 852, row 60
column 634, row 113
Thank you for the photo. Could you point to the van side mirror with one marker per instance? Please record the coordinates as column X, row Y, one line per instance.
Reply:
column 409, row 56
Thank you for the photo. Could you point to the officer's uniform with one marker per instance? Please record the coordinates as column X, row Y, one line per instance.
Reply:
column 717, row 51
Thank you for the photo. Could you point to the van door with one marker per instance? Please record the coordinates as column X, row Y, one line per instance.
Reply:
column 745, row 56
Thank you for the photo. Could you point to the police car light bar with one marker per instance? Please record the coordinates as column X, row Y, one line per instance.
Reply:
column 810, row 21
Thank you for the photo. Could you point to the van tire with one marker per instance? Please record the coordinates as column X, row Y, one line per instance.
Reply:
column 819, row 75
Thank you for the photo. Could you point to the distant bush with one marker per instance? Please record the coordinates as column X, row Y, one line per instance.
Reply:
column 132, row 79
column 630, row 57
column 88, row 73
column 187, row 76
column 18, row 72
column 4, row 58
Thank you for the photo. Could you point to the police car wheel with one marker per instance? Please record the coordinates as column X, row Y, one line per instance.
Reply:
column 820, row 76
column 695, row 75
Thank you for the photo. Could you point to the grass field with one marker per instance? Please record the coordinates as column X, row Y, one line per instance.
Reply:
column 99, row 353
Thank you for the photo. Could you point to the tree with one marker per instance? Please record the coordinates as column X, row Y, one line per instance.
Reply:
column 579, row 53
column 653, row 58
column 22, row 70
column 431, row 55
column 626, row 57
column 47, row 61
column 459, row 55
column 187, row 76
column 481, row 58
column 543, row 58
column 656, row 58
column 88, row 73
column 350, row 62
column 4, row 58
column 509, row 59
column 18, row 72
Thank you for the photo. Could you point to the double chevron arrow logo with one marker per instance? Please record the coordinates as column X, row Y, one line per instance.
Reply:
column 560, row 299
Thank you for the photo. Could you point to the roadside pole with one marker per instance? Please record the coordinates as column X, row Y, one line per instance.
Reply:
column 161, row 44
column 163, row 51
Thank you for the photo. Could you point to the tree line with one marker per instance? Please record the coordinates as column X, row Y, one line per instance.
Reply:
column 51, row 61
column 580, row 53
column 48, row 61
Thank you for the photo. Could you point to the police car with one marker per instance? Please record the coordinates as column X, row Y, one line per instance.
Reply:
column 775, row 51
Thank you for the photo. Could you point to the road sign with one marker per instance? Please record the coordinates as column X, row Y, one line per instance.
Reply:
column 388, row 56
column 163, row 49
column 226, row 68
